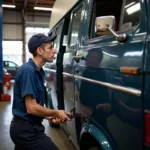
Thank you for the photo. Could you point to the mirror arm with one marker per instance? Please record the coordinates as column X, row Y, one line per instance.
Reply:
column 113, row 32
column 119, row 37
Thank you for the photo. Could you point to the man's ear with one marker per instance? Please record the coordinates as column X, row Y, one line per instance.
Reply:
column 39, row 51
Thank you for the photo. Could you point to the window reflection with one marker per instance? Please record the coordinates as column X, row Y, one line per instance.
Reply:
column 75, row 27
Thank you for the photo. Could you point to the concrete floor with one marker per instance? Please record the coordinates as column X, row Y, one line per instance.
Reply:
column 57, row 135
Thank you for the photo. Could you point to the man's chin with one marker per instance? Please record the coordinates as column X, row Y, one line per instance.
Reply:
column 50, row 60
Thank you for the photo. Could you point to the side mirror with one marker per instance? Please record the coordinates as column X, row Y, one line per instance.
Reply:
column 102, row 24
column 106, row 26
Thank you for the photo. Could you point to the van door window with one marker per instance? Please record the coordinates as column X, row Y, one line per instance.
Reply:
column 75, row 27
column 105, row 8
column 57, row 40
column 56, row 44
column 131, row 16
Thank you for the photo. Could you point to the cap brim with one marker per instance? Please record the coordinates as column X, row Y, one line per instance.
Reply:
column 51, row 38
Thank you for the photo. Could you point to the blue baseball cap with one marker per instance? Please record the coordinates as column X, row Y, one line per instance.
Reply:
column 37, row 40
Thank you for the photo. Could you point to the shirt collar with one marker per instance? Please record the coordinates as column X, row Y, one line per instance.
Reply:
column 34, row 65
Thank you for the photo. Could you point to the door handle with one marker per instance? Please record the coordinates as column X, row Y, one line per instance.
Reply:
column 72, row 113
column 78, row 58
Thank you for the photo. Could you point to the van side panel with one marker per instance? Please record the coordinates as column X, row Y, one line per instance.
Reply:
column 147, row 67
column 109, row 97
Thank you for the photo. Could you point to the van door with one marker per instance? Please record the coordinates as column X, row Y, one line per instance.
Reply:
column 51, row 69
column 109, row 78
column 68, row 71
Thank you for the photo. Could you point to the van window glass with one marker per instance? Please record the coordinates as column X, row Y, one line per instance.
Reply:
column 57, row 40
column 75, row 27
column 103, row 8
column 56, row 44
column 131, row 15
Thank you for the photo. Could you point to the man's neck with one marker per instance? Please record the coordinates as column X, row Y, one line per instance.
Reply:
column 39, row 62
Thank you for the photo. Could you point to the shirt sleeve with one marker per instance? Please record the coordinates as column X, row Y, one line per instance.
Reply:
column 28, row 82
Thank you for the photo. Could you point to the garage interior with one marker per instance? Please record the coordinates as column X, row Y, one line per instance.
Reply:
column 17, row 24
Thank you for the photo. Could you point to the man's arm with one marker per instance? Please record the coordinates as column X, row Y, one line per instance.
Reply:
column 35, row 109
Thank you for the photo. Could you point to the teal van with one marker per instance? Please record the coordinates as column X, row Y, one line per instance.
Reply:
column 102, row 74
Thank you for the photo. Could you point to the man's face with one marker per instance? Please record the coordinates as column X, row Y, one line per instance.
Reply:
column 92, row 60
column 48, row 52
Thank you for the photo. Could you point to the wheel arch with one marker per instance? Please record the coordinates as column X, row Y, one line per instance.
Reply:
column 96, row 136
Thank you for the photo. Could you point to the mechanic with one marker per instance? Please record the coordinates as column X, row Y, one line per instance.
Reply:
column 26, row 129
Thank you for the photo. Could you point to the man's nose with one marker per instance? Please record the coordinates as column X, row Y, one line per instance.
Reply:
column 54, row 51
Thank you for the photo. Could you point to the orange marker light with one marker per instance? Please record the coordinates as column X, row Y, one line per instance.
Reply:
column 129, row 70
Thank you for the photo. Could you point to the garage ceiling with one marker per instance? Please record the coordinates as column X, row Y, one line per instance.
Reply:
column 28, row 5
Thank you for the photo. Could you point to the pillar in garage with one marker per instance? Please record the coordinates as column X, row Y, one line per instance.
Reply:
column 1, row 38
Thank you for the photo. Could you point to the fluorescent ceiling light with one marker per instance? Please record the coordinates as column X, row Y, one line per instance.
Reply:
column 133, row 9
column 43, row 8
column 8, row 6
column 129, row 4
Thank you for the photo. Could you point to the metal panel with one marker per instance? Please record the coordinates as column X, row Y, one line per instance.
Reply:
column 12, row 16
column 37, row 20
column 41, row 19
column 12, row 32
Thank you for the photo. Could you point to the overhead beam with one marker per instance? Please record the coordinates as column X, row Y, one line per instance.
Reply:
column 12, row 23
column 24, row 10
column 13, row 2
column 37, row 24
column 25, row 4
column 36, row 1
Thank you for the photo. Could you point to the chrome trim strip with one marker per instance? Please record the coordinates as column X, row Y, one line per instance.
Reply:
column 67, row 74
column 113, row 86
column 52, row 70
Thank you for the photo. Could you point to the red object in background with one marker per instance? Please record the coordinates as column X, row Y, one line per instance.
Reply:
column 7, row 80
column 147, row 128
column 5, row 97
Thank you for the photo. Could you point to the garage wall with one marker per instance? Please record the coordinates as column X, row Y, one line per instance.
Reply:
column 36, row 22
column 12, row 32
column 59, row 10
column 15, row 35
column 12, row 36
column 12, row 25
column 38, row 19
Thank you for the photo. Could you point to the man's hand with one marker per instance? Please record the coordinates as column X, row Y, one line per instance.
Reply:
column 54, row 120
column 33, row 108
column 62, row 115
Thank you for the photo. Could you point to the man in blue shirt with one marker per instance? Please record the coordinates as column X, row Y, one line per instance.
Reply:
column 26, row 129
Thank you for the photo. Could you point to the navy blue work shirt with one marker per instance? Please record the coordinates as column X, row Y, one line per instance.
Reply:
column 29, row 80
